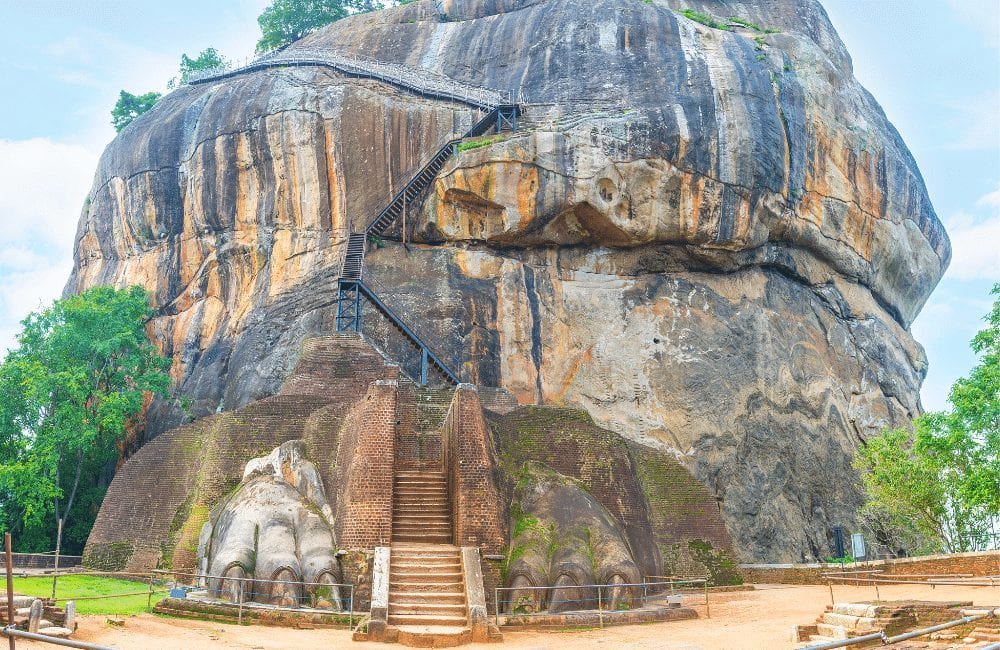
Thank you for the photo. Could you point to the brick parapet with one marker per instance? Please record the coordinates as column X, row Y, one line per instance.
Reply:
column 986, row 563
column 478, row 510
column 367, row 452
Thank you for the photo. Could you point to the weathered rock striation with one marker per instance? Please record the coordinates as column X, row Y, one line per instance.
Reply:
column 713, row 241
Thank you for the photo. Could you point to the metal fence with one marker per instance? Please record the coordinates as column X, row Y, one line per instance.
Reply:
column 535, row 604
column 875, row 578
column 258, row 595
column 419, row 79
column 44, row 560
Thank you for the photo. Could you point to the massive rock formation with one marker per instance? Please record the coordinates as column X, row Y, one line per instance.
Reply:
column 713, row 241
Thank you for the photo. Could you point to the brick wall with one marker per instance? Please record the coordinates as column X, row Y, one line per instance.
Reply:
column 156, row 504
column 366, row 458
column 478, row 508
column 986, row 563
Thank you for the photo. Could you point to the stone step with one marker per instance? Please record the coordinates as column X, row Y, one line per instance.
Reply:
column 848, row 621
column 425, row 576
column 426, row 561
column 433, row 636
column 433, row 551
column 427, row 619
column 417, row 572
column 419, row 488
column 429, row 501
column 431, row 523
column 422, row 512
column 421, row 474
column 406, row 585
column 985, row 634
column 411, row 528
column 443, row 597
column 417, row 535
column 420, row 479
column 832, row 631
column 428, row 609
column 857, row 609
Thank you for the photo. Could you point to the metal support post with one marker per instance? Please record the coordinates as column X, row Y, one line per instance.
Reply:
column 600, row 608
column 239, row 615
column 423, row 366
column 149, row 600
column 10, row 584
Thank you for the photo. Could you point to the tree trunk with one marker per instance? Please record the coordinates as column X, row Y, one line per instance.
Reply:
column 61, row 521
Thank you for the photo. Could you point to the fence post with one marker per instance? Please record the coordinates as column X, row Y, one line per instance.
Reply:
column 600, row 608
column 239, row 616
column 10, row 584
column 149, row 600
column 496, row 605
column 829, row 583
column 708, row 608
column 350, row 615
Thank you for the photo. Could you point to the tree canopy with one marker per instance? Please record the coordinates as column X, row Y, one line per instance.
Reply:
column 75, row 385
column 937, row 487
column 286, row 21
column 129, row 106
column 209, row 59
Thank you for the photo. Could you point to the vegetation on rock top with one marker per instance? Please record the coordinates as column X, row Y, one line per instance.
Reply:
column 70, row 393
column 937, row 488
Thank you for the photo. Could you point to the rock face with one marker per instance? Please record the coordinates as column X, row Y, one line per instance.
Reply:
column 713, row 241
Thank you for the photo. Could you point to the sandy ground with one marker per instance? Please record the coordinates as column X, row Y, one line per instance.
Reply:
column 749, row 620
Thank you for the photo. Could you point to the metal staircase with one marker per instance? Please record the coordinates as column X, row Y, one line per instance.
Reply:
column 353, row 293
column 502, row 113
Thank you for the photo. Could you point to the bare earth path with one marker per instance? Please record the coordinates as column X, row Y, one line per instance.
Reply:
column 752, row 620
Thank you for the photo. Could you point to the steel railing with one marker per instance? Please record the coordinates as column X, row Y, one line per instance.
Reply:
column 604, row 598
column 420, row 80
column 340, row 596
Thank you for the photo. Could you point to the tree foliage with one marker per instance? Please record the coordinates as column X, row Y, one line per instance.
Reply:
column 70, row 391
column 286, row 21
column 937, row 487
column 129, row 106
column 209, row 59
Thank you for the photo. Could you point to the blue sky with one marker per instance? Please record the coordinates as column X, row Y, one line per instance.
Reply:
column 934, row 65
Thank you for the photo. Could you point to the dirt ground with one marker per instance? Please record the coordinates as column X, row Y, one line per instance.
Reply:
column 748, row 620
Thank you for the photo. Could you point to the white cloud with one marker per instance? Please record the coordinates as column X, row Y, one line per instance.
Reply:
column 975, row 242
column 977, row 122
column 991, row 200
column 43, row 185
column 982, row 16
column 975, row 245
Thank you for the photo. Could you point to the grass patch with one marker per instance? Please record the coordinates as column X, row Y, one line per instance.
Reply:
column 476, row 144
column 704, row 19
column 72, row 587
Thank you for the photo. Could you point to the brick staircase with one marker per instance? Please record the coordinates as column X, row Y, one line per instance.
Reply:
column 427, row 598
column 421, row 509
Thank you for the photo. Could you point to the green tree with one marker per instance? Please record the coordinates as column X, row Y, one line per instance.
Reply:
column 209, row 59
column 71, row 390
column 129, row 106
column 937, row 487
column 286, row 21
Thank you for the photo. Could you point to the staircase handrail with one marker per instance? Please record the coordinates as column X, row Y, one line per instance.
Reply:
column 410, row 334
column 420, row 80
column 450, row 144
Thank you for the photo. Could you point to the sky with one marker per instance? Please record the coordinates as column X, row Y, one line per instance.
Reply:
column 934, row 65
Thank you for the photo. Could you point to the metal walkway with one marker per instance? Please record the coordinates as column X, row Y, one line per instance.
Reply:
column 502, row 113
column 418, row 81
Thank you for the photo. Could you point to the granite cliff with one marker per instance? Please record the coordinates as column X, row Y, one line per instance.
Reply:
column 713, row 241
